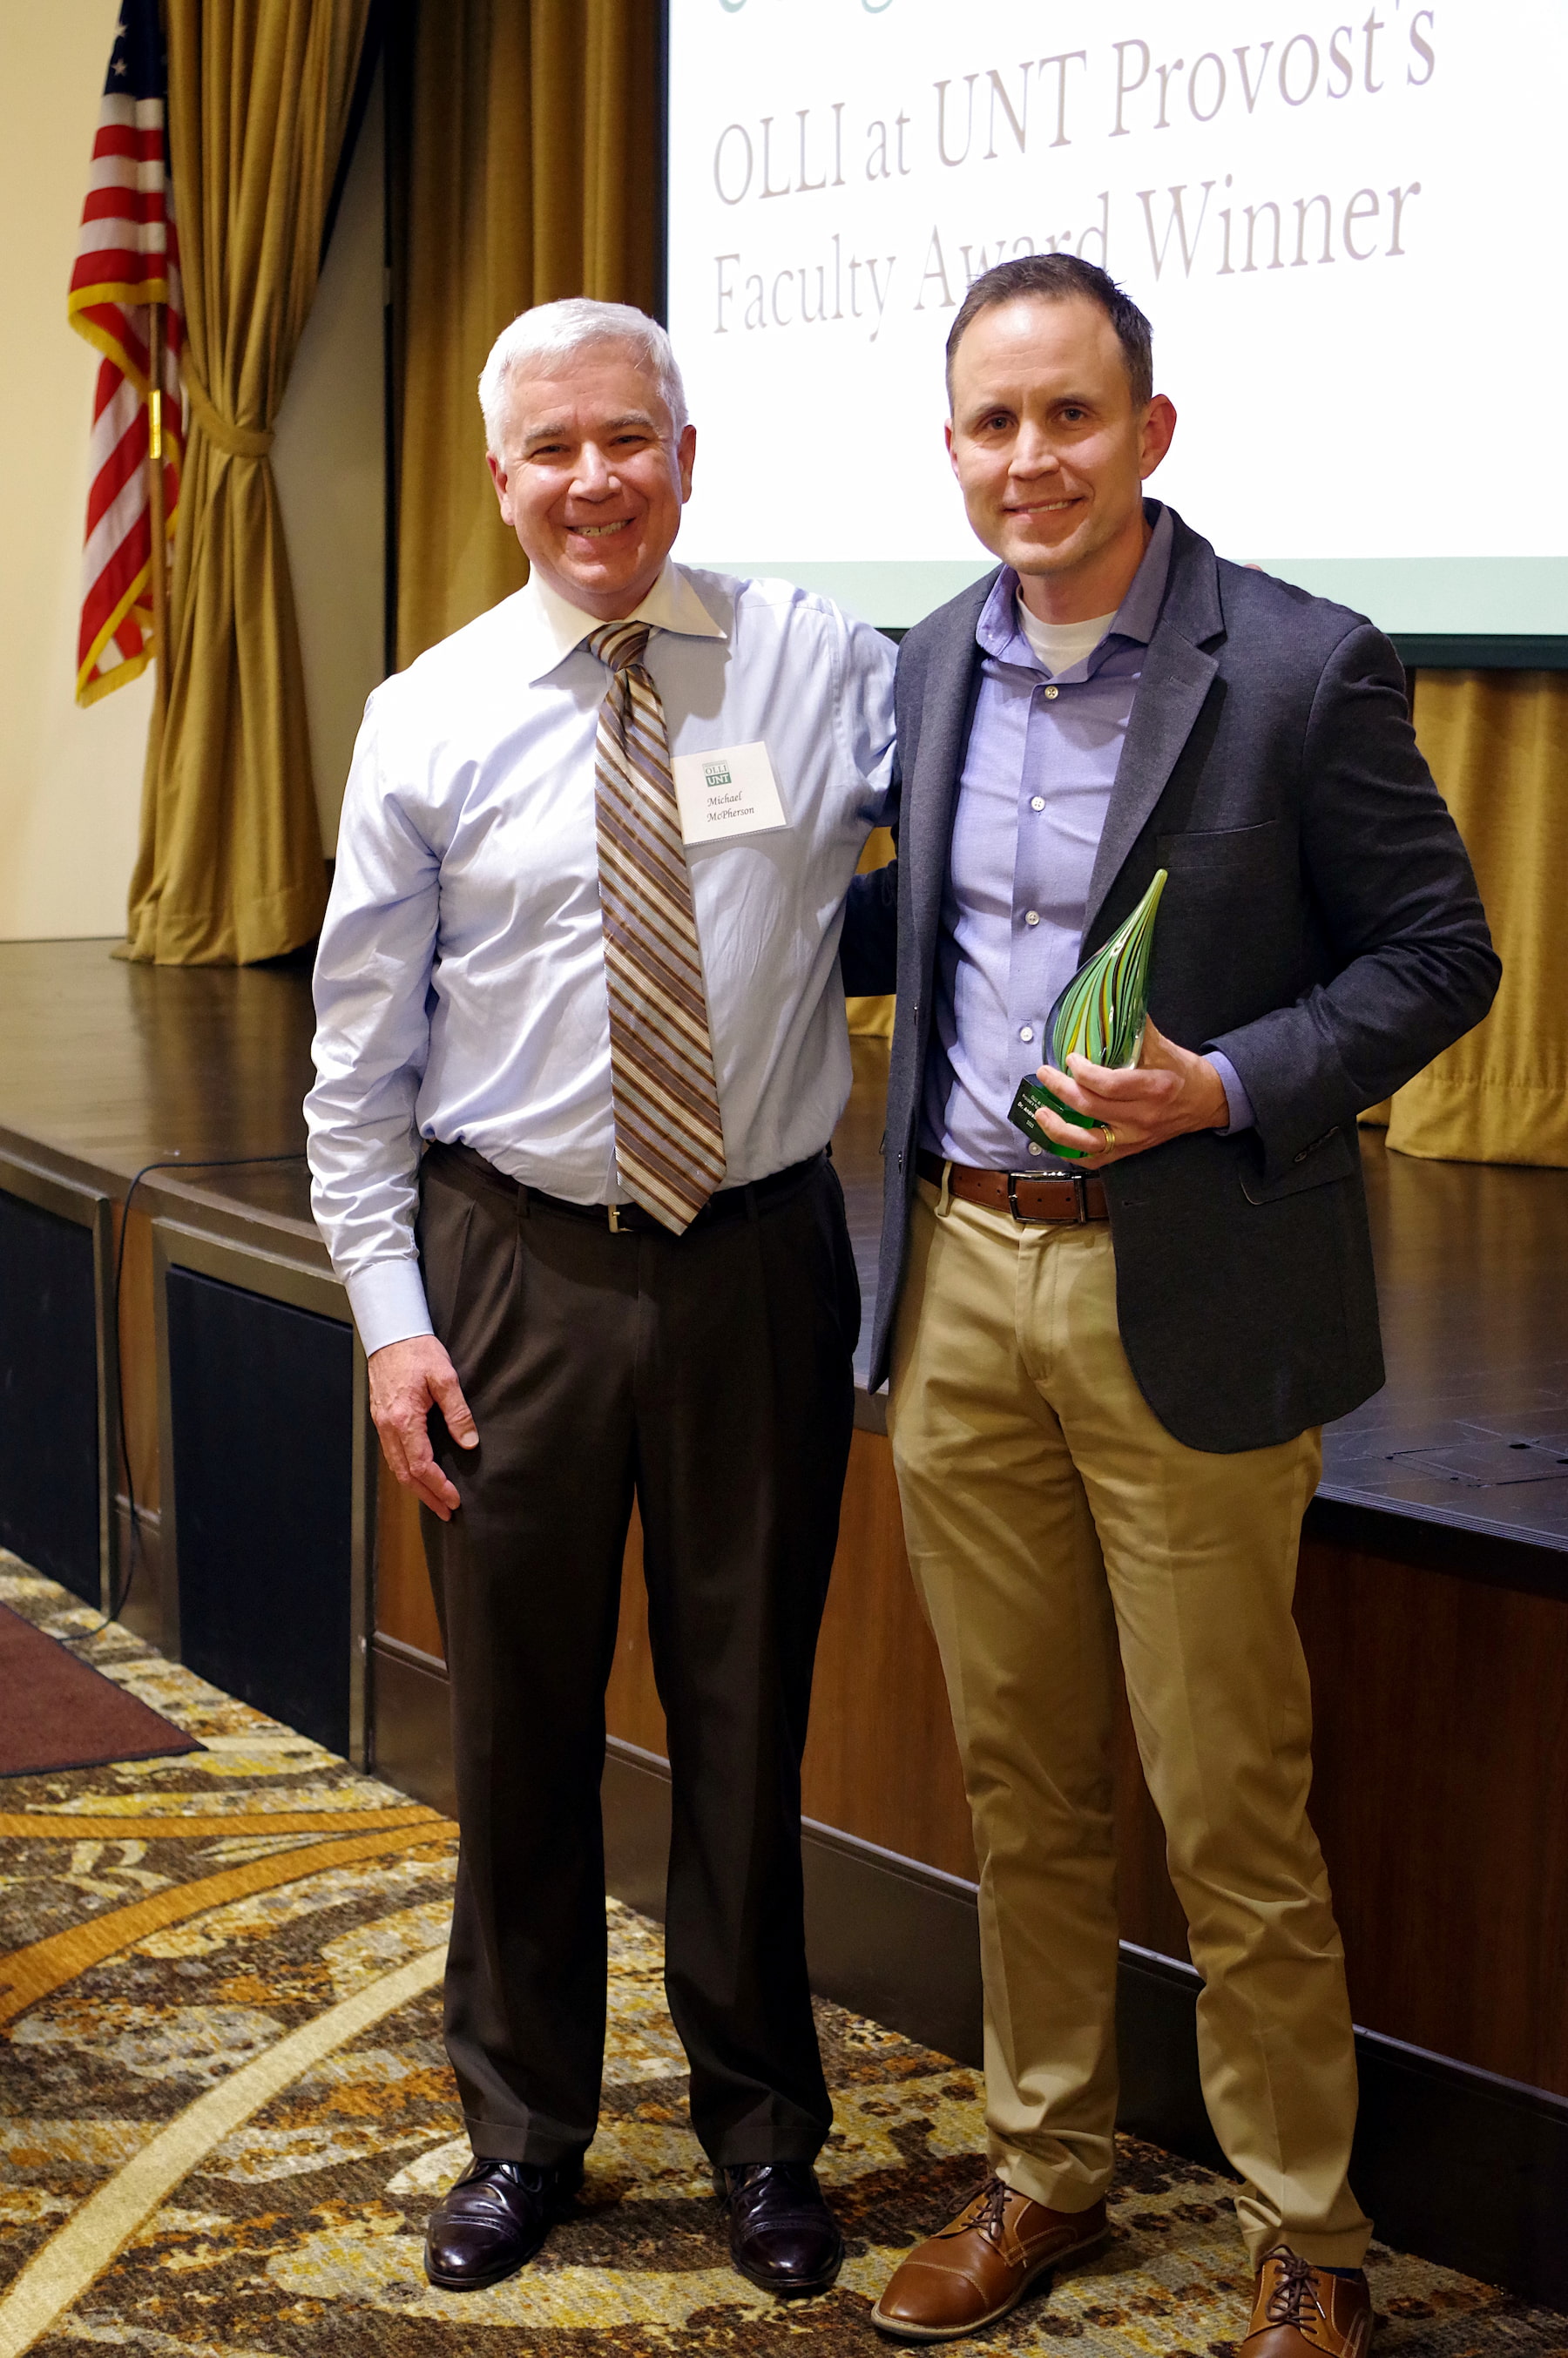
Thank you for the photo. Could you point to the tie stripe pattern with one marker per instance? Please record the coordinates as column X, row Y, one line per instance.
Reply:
column 669, row 1138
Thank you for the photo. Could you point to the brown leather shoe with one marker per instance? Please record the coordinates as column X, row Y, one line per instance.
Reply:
column 1300, row 2311
column 969, row 2273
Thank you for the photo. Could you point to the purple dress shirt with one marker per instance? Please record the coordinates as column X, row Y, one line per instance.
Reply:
column 1037, row 777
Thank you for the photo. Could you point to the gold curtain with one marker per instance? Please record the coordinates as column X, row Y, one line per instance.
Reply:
column 1497, row 744
column 530, row 171
column 229, row 865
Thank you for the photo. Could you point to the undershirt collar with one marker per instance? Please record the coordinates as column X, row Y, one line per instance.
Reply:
column 1056, row 646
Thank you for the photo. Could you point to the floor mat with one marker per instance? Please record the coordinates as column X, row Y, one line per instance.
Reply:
column 58, row 1712
column 225, row 2110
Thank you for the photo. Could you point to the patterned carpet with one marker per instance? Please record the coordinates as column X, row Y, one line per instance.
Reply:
column 224, row 2107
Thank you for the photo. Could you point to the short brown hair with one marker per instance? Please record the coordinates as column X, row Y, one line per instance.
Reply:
column 1056, row 278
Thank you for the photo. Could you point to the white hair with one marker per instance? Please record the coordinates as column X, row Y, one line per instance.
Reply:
column 553, row 331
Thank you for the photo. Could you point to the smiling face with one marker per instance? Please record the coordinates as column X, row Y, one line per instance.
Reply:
column 592, row 476
column 1052, row 453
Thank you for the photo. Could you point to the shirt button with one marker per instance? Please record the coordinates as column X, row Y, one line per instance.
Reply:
column 1052, row 692
column 1032, row 916
column 1026, row 1031
column 1035, row 1150
column 1036, row 802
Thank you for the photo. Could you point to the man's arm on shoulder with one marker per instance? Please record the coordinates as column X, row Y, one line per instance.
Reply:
column 868, row 949
column 1397, row 897
column 869, row 946
column 372, row 973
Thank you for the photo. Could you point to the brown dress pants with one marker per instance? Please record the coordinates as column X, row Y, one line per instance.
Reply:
column 709, row 1376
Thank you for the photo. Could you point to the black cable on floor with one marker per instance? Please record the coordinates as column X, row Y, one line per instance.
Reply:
column 118, row 1601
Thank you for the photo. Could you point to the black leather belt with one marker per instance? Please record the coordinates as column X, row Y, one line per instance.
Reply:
column 1035, row 1199
column 758, row 1195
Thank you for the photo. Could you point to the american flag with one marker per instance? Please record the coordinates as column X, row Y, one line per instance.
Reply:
column 127, row 258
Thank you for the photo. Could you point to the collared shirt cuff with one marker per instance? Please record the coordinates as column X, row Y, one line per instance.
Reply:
column 388, row 1303
column 1235, row 1097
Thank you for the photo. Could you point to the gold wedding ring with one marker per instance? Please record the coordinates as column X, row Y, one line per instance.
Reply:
column 1109, row 1137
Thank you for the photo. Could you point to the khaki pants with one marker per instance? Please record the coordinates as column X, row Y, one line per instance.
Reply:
column 1051, row 1519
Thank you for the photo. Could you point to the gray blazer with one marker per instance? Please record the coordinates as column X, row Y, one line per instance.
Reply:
column 1321, row 926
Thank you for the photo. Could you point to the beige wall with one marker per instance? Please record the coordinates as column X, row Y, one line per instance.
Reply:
column 70, row 780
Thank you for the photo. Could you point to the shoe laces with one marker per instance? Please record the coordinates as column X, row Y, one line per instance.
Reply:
column 986, row 2215
column 1292, row 2289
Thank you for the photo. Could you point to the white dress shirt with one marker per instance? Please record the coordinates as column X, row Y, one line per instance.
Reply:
column 460, row 985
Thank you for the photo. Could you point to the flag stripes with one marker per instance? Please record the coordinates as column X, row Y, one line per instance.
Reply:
column 669, row 1135
column 127, row 259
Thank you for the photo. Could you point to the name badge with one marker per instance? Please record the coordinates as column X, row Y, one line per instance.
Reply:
column 731, row 793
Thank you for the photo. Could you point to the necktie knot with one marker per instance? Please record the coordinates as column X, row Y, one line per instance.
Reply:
column 619, row 645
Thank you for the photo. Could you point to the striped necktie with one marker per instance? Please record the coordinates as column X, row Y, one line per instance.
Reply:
column 669, row 1138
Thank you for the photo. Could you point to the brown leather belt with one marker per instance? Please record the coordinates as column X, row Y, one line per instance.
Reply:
column 1033, row 1201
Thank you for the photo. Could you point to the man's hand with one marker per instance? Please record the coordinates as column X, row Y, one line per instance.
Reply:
column 1169, row 1090
column 408, row 1379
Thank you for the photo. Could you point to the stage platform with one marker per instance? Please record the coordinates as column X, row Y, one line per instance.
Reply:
column 1433, row 1592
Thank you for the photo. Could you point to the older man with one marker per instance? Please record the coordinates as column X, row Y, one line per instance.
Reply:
column 583, row 944
column 1107, row 1377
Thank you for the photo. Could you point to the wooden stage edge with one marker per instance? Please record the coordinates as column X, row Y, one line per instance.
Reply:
column 1433, row 1602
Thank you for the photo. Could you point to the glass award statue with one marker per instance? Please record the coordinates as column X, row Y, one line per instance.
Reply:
column 1100, row 1015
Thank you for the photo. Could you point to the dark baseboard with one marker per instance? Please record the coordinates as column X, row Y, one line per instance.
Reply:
column 1157, row 2056
column 140, row 1576
column 1464, row 2168
column 1454, row 2164
column 410, row 1717
column 893, row 1939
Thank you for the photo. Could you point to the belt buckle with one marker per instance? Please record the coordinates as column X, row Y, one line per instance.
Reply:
column 1078, row 1181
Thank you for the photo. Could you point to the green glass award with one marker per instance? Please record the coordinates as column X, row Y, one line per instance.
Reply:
column 1100, row 1015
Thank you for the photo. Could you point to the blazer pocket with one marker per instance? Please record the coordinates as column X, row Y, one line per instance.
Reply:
column 1227, row 848
column 1332, row 1157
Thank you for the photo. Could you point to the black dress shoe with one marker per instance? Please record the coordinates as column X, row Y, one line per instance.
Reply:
column 494, row 2220
column 782, row 2236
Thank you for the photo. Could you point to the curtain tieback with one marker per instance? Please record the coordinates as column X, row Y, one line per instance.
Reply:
column 237, row 441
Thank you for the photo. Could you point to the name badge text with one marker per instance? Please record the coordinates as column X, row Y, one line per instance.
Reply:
column 730, row 793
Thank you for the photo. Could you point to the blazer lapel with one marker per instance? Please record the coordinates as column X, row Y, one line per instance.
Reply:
column 1177, row 673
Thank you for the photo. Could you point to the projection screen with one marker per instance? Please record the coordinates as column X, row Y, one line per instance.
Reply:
column 1346, row 234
